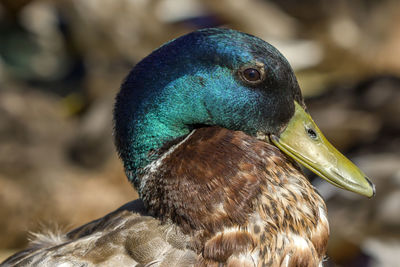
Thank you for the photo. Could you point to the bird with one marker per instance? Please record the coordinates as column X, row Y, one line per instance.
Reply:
column 212, row 129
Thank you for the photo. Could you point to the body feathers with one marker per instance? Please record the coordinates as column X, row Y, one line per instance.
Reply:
column 231, row 200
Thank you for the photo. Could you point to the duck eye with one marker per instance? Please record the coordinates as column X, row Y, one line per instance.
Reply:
column 251, row 75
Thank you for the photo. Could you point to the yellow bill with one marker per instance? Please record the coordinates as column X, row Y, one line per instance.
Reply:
column 304, row 142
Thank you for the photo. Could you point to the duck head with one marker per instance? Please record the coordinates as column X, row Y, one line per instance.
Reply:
column 230, row 79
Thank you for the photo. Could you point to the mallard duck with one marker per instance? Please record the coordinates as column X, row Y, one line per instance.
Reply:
column 210, row 128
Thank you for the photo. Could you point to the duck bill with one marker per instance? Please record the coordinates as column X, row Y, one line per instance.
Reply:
column 304, row 142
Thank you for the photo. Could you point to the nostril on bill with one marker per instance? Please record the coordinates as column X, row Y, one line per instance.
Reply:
column 312, row 134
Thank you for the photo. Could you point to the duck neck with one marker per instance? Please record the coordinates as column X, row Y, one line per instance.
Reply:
column 149, row 137
column 158, row 123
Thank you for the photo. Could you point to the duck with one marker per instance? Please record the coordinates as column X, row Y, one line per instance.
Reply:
column 212, row 130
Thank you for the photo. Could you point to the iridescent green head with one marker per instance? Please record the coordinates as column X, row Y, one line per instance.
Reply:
column 215, row 77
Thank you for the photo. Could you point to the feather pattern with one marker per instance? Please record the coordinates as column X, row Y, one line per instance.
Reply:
column 216, row 198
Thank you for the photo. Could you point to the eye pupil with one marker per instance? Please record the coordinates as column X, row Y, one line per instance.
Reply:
column 251, row 75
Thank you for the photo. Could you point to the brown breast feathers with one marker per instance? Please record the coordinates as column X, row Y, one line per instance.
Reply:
column 215, row 198
column 241, row 200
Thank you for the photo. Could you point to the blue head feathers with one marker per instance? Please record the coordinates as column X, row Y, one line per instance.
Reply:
column 208, row 77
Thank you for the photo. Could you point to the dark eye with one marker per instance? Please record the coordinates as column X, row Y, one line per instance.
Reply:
column 251, row 75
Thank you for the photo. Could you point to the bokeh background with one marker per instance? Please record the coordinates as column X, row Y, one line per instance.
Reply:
column 61, row 64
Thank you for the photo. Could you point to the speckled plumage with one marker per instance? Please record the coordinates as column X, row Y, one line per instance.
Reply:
column 241, row 209
column 221, row 199
column 187, row 128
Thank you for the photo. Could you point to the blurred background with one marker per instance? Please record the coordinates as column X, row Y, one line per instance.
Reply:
column 61, row 64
